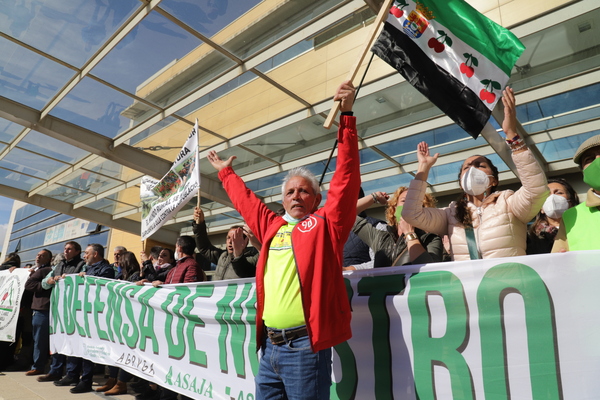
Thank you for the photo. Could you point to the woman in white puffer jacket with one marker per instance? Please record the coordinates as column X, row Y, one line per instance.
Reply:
column 494, row 222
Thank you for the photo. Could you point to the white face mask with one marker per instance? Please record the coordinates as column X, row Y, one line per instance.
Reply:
column 474, row 181
column 555, row 206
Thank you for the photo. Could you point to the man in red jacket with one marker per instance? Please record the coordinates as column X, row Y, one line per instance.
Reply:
column 186, row 269
column 302, row 306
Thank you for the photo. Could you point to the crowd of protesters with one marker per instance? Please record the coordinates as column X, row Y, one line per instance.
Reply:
column 484, row 222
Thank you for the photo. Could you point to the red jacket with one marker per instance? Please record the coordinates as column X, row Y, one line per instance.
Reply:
column 186, row 270
column 317, row 243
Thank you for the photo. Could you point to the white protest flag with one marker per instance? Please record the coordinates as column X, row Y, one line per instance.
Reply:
column 12, row 286
column 163, row 199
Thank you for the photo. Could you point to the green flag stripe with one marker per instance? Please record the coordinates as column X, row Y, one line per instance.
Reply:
column 493, row 41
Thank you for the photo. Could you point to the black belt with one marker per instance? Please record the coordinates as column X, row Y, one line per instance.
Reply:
column 278, row 337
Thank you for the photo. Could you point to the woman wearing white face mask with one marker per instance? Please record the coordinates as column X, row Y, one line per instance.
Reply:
column 483, row 222
column 541, row 234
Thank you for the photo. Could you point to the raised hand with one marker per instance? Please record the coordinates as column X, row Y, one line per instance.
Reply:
column 345, row 94
column 509, row 125
column 238, row 242
column 216, row 161
column 424, row 157
column 198, row 215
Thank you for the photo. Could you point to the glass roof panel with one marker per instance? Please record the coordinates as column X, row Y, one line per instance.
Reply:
column 550, row 109
column 96, row 107
column 371, row 161
column 391, row 108
column 285, row 56
column 109, row 205
column 559, row 51
column 27, row 77
column 9, row 130
column 31, row 164
column 208, row 16
column 68, row 30
column 223, row 219
column 209, row 204
column 388, row 184
column 89, row 182
column 17, row 180
column 148, row 132
column 43, row 144
column 112, row 169
column 564, row 148
column 245, row 162
column 64, row 193
column 295, row 141
column 217, row 93
column 277, row 19
column 147, row 49
column 444, row 140
column 129, row 196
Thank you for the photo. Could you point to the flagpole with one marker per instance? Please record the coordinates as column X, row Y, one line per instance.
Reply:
column 336, row 142
column 381, row 16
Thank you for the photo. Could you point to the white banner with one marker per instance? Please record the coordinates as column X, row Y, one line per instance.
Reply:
column 521, row 328
column 12, row 286
column 163, row 199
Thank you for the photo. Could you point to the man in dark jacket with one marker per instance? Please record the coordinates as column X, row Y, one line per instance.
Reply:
column 95, row 265
column 237, row 261
column 72, row 264
column 40, row 305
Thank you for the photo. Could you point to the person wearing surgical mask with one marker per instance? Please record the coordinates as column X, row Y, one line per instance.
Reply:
column 580, row 225
column 483, row 222
column 541, row 233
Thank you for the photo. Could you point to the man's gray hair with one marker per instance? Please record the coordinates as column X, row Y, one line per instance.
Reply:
column 302, row 172
column 120, row 248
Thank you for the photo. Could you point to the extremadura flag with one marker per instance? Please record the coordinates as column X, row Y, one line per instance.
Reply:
column 455, row 56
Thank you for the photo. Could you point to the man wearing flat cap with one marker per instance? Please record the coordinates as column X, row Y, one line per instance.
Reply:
column 580, row 226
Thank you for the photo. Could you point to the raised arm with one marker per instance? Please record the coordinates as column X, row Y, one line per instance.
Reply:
column 374, row 198
column 203, row 243
column 528, row 200
column 428, row 219
column 345, row 183
column 255, row 213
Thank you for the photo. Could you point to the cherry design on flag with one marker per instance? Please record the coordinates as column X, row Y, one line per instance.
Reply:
column 437, row 45
column 486, row 94
column 397, row 9
column 467, row 69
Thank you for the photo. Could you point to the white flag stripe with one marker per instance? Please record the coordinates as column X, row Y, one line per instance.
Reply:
column 452, row 56
column 161, row 200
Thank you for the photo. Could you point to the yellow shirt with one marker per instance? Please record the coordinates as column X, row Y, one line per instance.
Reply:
column 283, row 300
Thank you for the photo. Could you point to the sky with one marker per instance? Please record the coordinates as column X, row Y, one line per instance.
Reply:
column 5, row 208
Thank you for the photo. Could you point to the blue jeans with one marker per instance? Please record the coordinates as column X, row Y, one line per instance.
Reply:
column 77, row 365
column 292, row 371
column 118, row 373
column 40, row 322
column 58, row 364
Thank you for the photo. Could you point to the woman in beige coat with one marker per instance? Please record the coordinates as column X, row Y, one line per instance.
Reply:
column 493, row 222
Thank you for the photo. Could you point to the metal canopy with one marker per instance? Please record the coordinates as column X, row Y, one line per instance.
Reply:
column 93, row 95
